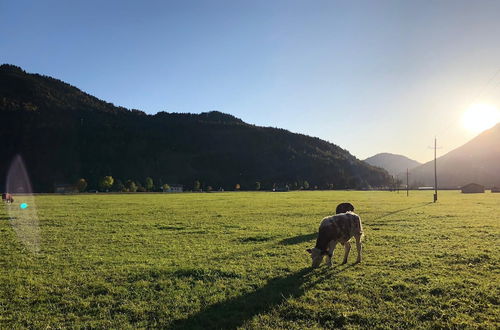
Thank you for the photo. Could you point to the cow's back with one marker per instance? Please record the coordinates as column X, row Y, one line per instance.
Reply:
column 340, row 227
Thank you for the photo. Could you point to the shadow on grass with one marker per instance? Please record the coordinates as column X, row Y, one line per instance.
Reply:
column 402, row 210
column 298, row 239
column 234, row 312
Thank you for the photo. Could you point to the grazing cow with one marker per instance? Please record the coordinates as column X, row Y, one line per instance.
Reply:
column 344, row 207
column 336, row 229
column 7, row 198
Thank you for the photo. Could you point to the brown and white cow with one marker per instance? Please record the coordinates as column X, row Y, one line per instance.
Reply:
column 6, row 197
column 335, row 229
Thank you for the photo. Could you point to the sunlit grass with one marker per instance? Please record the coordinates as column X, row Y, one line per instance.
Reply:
column 227, row 260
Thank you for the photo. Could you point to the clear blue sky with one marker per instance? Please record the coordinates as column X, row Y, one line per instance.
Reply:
column 374, row 76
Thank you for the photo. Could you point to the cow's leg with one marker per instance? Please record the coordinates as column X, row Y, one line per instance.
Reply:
column 347, row 248
column 358, row 247
column 331, row 248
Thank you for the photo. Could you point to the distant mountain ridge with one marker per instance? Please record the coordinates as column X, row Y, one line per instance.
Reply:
column 477, row 161
column 64, row 134
column 392, row 163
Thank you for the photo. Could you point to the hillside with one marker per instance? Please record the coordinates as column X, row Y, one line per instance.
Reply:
column 65, row 134
column 392, row 163
column 476, row 161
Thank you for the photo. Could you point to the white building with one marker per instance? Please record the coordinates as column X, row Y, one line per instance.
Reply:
column 177, row 188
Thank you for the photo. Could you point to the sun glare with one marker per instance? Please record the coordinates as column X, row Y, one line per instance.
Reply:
column 480, row 117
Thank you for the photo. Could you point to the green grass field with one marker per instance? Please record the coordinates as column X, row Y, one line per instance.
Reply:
column 229, row 260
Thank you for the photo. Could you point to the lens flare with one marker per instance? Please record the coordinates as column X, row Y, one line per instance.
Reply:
column 24, row 219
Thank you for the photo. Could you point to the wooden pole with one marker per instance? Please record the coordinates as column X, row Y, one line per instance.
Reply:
column 435, row 172
column 407, row 185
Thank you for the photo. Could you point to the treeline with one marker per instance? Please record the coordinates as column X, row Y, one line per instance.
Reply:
column 110, row 184
column 64, row 134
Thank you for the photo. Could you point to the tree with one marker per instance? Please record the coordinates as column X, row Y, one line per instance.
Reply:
column 81, row 185
column 130, row 186
column 118, row 186
column 165, row 187
column 106, row 182
column 196, row 185
column 399, row 182
column 149, row 184
column 257, row 185
column 140, row 187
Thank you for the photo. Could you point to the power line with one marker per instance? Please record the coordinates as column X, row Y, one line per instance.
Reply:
column 407, row 184
column 435, row 172
column 435, row 169
column 474, row 99
column 481, row 92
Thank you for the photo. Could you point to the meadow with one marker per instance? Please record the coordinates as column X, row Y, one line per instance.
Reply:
column 238, row 260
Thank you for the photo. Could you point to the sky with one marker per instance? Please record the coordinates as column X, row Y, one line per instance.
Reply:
column 369, row 76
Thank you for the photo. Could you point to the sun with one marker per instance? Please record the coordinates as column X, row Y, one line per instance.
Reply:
column 480, row 117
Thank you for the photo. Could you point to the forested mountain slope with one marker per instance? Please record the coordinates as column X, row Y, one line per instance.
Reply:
column 65, row 134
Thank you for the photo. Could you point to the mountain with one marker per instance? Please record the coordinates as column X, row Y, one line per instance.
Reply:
column 477, row 161
column 64, row 134
column 392, row 163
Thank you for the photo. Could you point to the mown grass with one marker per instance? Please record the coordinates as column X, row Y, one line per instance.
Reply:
column 229, row 260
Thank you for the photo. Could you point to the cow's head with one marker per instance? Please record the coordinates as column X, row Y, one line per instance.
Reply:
column 316, row 256
column 344, row 207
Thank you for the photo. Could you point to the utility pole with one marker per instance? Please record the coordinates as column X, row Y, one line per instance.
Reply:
column 435, row 172
column 407, row 185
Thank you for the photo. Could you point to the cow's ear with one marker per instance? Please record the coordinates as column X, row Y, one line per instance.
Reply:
column 309, row 250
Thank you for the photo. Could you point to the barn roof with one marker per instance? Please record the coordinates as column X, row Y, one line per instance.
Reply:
column 473, row 185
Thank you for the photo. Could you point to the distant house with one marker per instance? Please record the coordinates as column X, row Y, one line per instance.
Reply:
column 175, row 188
column 65, row 188
column 472, row 188
column 495, row 189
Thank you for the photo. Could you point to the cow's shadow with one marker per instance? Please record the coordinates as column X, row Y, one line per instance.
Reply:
column 234, row 312
column 298, row 239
